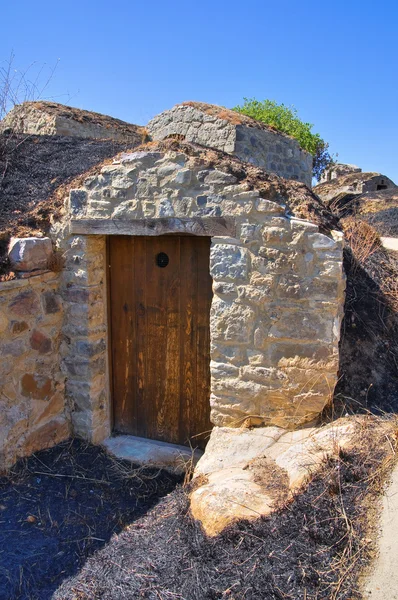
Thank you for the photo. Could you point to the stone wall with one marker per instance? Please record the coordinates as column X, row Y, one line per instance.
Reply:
column 32, row 411
column 49, row 118
column 248, row 140
column 84, row 347
column 278, row 290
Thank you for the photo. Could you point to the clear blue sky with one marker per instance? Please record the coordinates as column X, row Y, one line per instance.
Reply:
column 335, row 61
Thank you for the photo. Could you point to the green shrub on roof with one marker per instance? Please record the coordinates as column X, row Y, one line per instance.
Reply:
column 286, row 119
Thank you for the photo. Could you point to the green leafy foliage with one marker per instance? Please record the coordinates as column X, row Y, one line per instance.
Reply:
column 286, row 119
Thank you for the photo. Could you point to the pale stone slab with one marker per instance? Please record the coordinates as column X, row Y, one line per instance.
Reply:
column 230, row 447
column 151, row 453
column 389, row 243
column 238, row 464
column 29, row 254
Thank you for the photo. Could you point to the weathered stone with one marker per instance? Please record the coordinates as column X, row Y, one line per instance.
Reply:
column 248, row 473
column 219, row 177
column 25, row 304
column 228, row 262
column 40, row 342
column 3, row 322
column 19, row 326
column 77, row 201
column 28, row 254
column 35, row 386
column 13, row 348
column 231, row 321
column 219, row 128
column 51, row 302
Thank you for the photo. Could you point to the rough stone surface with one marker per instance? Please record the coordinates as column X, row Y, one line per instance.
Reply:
column 50, row 118
column 83, row 351
column 152, row 453
column 277, row 305
column 249, row 473
column 346, row 186
column 32, row 407
column 29, row 254
column 235, row 134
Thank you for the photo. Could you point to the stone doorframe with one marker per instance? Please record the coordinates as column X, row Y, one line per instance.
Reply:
column 277, row 305
column 86, row 356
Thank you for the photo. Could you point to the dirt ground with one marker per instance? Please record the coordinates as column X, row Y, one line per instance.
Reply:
column 78, row 525
column 60, row 506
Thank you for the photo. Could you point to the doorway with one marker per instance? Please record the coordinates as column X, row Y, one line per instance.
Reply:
column 160, row 297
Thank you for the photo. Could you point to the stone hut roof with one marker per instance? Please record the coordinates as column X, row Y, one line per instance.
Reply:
column 352, row 183
column 50, row 118
column 236, row 134
column 32, row 168
column 44, row 168
column 233, row 117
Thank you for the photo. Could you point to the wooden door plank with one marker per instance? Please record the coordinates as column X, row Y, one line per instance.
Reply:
column 122, row 314
column 139, row 285
column 162, row 340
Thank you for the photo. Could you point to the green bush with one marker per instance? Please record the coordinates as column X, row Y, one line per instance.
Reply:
column 286, row 119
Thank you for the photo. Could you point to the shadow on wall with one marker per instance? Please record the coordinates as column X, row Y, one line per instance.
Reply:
column 368, row 368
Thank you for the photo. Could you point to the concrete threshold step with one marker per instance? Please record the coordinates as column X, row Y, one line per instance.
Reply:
column 152, row 453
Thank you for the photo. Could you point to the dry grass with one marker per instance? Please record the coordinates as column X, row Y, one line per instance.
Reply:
column 314, row 547
column 362, row 238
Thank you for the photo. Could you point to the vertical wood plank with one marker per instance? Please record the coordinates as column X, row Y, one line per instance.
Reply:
column 122, row 314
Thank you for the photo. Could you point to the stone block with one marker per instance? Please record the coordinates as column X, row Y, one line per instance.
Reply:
column 40, row 342
column 36, row 386
column 231, row 321
column 77, row 202
column 228, row 262
column 29, row 254
column 51, row 302
column 25, row 304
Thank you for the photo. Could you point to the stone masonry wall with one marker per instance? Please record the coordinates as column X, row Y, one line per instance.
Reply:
column 278, row 292
column 32, row 411
column 47, row 118
column 268, row 149
column 83, row 351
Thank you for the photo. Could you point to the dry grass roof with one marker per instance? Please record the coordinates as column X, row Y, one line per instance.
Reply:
column 75, row 114
column 349, row 180
column 233, row 117
column 37, row 172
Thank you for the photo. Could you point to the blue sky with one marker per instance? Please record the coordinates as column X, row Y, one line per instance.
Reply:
column 336, row 62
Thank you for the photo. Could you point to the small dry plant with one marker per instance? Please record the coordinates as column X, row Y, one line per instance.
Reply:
column 56, row 261
column 362, row 238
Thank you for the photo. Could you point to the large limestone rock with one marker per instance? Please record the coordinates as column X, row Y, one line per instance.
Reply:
column 245, row 474
column 29, row 254
column 226, row 130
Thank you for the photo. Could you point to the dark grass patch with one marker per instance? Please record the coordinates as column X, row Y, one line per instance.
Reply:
column 58, row 507
column 368, row 361
column 32, row 168
column 312, row 549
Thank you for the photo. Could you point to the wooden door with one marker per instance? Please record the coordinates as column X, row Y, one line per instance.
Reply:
column 160, row 296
